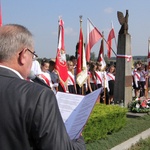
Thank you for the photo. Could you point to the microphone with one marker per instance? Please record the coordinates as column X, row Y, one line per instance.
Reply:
column 36, row 79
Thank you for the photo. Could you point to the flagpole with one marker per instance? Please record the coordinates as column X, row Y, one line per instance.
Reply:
column 82, row 68
column 147, row 79
column 103, row 37
column 103, row 70
column 103, row 42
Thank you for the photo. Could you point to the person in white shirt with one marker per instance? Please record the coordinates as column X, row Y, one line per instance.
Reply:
column 136, row 85
column 142, row 80
column 71, row 79
column 45, row 76
column 36, row 69
column 111, row 82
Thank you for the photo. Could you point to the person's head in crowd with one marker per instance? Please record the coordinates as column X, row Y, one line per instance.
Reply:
column 17, row 48
column 92, row 67
column 138, row 64
column 73, row 59
column 98, row 66
column 44, row 65
column 51, row 65
column 70, row 66
column 111, row 69
column 139, row 69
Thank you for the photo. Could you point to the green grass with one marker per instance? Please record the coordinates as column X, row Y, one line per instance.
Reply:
column 133, row 127
column 141, row 145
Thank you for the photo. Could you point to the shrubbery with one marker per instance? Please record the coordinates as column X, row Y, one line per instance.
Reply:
column 104, row 120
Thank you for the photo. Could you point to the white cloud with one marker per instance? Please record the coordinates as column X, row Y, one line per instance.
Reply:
column 69, row 31
column 108, row 10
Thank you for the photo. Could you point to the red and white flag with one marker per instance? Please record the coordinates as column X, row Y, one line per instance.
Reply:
column 0, row 15
column 61, row 65
column 93, row 35
column 148, row 57
column 109, row 42
column 81, row 62
column 100, row 56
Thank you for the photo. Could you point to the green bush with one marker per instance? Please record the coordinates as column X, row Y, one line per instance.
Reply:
column 134, row 126
column 104, row 120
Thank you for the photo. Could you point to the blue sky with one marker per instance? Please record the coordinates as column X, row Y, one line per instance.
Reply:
column 41, row 18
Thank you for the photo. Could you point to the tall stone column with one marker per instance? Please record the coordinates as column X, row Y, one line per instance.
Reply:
column 123, row 77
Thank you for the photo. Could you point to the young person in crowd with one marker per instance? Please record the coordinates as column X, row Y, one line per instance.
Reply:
column 45, row 76
column 36, row 68
column 111, row 82
column 53, row 74
column 92, row 78
column 136, row 86
column 142, row 80
column 71, row 79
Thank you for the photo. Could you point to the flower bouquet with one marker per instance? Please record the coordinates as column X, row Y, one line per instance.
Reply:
column 141, row 105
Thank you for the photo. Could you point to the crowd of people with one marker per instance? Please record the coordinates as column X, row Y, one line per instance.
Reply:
column 140, row 78
column 97, row 77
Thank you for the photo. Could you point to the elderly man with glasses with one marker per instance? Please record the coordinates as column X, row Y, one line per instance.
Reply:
column 29, row 114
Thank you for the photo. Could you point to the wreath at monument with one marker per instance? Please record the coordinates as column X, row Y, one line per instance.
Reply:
column 140, row 106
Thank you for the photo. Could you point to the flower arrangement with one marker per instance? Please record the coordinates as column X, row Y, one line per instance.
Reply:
column 140, row 105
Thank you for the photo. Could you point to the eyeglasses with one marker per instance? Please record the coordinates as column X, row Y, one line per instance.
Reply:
column 33, row 53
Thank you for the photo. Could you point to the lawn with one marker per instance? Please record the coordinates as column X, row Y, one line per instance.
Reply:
column 134, row 126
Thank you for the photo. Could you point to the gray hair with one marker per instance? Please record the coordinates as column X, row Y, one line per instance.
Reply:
column 14, row 38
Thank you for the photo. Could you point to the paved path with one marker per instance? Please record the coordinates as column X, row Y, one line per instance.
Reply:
column 127, row 144
column 143, row 135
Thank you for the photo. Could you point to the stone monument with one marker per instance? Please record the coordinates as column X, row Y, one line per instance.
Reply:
column 123, row 77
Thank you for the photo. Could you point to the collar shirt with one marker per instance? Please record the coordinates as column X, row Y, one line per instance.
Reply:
column 16, row 72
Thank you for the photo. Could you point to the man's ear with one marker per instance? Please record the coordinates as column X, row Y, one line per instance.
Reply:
column 22, row 57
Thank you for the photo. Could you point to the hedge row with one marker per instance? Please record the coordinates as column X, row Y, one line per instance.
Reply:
column 104, row 120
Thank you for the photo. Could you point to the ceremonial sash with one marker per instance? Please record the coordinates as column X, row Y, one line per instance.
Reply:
column 137, row 76
column 91, row 76
column 72, row 79
column 99, row 77
column 46, row 80
column 110, row 76
column 143, row 73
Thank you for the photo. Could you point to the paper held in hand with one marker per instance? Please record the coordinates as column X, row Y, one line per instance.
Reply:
column 75, row 110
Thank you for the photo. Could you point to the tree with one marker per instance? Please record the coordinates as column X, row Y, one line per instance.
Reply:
column 92, row 56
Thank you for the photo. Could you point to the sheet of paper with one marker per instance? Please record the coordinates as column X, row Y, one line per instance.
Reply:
column 67, row 103
column 75, row 110
column 78, row 120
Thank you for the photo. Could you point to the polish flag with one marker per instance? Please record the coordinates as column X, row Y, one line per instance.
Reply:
column 61, row 65
column 93, row 35
column 148, row 57
column 100, row 56
column 0, row 15
column 109, row 42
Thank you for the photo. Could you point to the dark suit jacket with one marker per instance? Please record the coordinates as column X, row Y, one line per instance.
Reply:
column 29, row 117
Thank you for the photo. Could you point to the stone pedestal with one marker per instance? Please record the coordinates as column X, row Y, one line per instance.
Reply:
column 123, row 77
